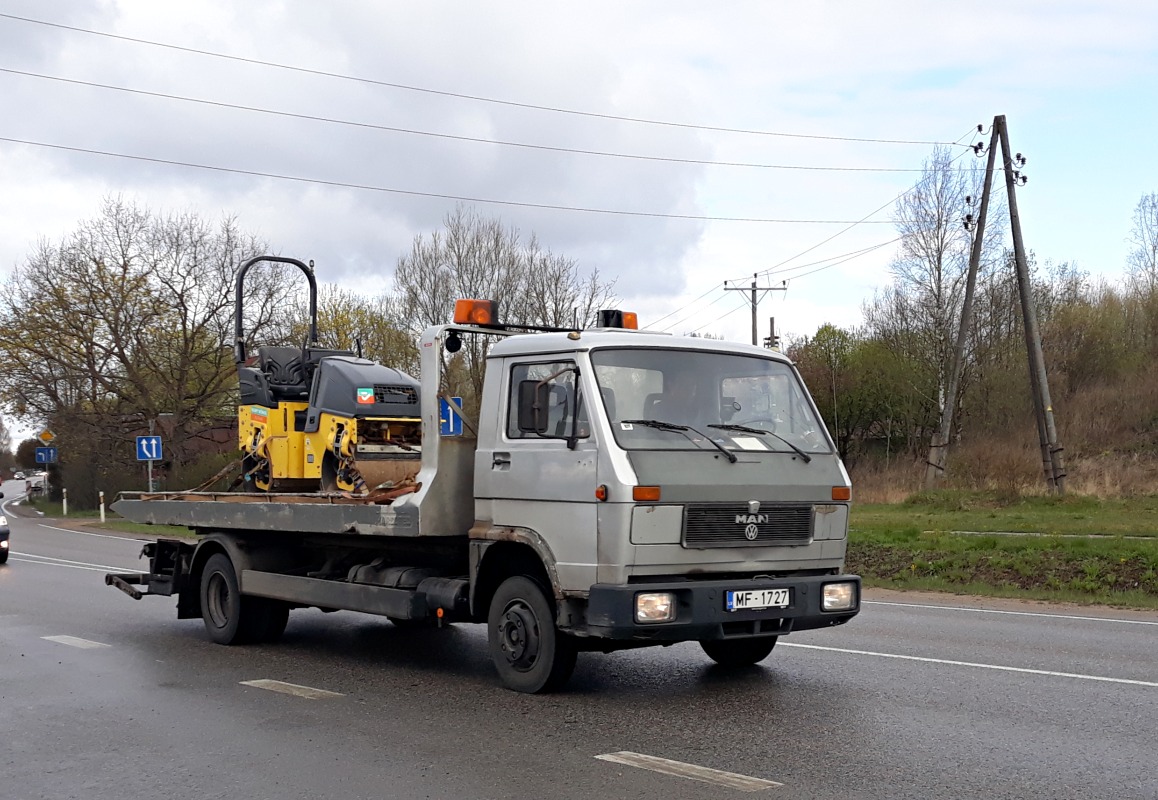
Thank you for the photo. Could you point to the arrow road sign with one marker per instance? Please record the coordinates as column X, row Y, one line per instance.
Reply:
column 148, row 448
column 46, row 455
column 449, row 422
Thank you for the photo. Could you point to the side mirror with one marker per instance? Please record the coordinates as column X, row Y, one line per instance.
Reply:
column 533, row 399
column 1, row 495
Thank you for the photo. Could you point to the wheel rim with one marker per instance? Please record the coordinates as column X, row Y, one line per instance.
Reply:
column 519, row 636
column 217, row 598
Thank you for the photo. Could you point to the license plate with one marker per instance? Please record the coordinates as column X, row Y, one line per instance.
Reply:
column 756, row 598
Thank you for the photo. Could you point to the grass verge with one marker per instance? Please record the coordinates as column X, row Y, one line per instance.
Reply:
column 1083, row 550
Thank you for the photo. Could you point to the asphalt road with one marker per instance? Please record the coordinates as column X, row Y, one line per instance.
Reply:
column 919, row 697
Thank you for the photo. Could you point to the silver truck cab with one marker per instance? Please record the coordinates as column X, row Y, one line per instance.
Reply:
column 678, row 488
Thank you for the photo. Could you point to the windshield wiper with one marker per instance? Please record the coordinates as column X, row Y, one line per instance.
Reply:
column 659, row 424
column 745, row 429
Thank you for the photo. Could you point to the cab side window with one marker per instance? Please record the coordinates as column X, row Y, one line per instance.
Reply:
column 551, row 387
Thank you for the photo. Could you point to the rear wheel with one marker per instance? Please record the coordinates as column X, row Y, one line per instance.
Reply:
column 529, row 652
column 738, row 652
column 230, row 617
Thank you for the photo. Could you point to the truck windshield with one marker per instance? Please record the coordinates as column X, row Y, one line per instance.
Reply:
column 742, row 402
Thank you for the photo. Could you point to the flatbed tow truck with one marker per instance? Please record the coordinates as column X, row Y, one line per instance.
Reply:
column 587, row 508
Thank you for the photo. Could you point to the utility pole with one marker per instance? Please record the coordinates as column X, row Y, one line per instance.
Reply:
column 935, row 464
column 1051, row 450
column 772, row 341
column 754, row 302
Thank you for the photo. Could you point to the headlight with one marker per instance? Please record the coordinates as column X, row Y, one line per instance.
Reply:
column 4, row 545
column 838, row 597
column 655, row 607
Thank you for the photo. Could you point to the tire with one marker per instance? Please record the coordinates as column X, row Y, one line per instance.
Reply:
column 221, row 600
column 529, row 652
column 738, row 652
column 231, row 618
column 3, row 556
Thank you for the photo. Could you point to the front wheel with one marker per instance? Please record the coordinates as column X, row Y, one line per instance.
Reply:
column 529, row 652
column 738, row 652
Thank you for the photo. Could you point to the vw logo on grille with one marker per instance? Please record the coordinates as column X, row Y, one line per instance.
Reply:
column 751, row 531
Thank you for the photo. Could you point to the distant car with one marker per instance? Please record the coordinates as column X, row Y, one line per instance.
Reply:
column 19, row 476
column 4, row 532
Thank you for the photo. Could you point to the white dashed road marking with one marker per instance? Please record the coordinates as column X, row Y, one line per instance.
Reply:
column 73, row 641
column 679, row 769
column 308, row 692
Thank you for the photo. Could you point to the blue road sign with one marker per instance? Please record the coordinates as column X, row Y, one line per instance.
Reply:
column 46, row 455
column 148, row 448
column 449, row 422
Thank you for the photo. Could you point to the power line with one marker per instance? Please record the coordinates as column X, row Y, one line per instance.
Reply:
column 461, row 96
column 722, row 316
column 688, row 305
column 845, row 260
column 862, row 221
column 681, row 321
column 774, row 269
column 844, row 256
column 849, row 256
column 416, row 193
column 455, row 137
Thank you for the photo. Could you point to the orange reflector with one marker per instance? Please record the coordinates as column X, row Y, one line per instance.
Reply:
column 475, row 312
column 841, row 492
column 439, row 613
column 645, row 493
column 601, row 492
column 630, row 320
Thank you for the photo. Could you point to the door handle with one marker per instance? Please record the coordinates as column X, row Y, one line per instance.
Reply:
column 500, row 460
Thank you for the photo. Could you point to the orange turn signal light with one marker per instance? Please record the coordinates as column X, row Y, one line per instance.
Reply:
column 475, row 312
column 841, row 492
column 601, row 492
column 645, row 493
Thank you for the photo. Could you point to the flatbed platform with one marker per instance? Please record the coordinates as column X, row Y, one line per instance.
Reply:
column 300, row 513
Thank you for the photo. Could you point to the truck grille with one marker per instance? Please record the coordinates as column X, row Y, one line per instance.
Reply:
column 731, row 525
column 394, row 394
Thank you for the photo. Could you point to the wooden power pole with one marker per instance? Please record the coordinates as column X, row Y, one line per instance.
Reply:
column 1051, row 449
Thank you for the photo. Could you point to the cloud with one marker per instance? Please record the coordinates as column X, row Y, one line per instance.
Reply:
column 895, row 70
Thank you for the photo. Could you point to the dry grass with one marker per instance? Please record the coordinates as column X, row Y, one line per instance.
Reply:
column 1011, row 468
column 1109, row 432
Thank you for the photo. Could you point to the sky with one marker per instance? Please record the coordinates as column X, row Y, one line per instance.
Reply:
column 748, row 137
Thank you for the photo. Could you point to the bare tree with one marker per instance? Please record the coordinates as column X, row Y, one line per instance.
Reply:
column 125, row 321
column 477, row 257
column 1142, row 260
column 918, row 315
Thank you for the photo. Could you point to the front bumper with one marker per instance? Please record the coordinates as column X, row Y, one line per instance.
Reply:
column 701, row 612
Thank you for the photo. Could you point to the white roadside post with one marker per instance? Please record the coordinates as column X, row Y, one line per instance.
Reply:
column 102, row 494
column 64, row 494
